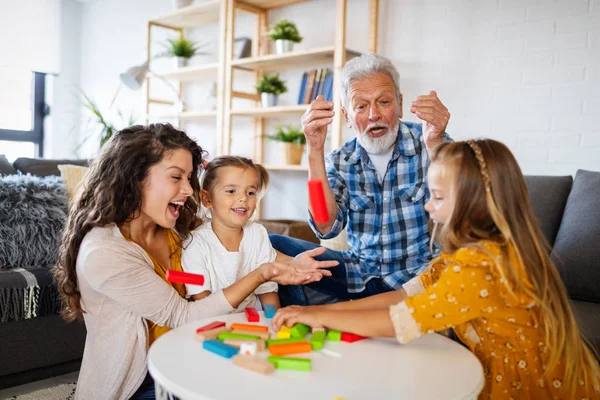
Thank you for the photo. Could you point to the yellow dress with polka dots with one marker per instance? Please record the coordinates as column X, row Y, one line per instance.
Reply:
column 465, row 291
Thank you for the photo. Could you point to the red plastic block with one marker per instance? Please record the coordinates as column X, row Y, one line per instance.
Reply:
column 251, row 314
column 184, row 277
column 317, row 201
column 210, row 327
column 351, row 337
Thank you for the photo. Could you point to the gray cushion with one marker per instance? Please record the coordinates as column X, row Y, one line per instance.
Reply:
column 33, row 212
column 6, row 167
column 41, row 167
column 576, row 250
column 548, row 195
column 588, row 319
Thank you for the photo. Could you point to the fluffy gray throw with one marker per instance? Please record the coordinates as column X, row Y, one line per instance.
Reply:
column 33, row 212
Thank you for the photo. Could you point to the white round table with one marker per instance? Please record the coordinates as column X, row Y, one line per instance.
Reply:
column 431, row 367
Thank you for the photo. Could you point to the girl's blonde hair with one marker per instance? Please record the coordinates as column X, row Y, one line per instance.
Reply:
column 491, row 202
column 210, row 175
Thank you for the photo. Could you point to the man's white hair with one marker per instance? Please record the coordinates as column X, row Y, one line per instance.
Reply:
column 364, row 66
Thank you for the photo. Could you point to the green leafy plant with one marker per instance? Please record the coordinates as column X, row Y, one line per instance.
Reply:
column 182, row 48
column 107, row 129
column 288, row 134
column 271, row 84
column 285, row 30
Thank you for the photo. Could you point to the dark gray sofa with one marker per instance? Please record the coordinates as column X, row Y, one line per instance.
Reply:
column 43, row 346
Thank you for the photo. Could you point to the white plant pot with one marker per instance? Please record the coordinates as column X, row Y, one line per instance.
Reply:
column 181, row 3
column 268, row 99
column 181, row 62
column 283, row 46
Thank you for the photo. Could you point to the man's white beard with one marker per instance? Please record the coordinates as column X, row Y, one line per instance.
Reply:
column 380, row 144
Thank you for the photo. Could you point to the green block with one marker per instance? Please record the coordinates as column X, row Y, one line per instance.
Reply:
column 334, row 336
column 298, row 364
column 299, row 330
column 284, row 341
column 317, row 340
column 230, row 335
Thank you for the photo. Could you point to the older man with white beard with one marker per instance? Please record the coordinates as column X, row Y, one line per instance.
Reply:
column 377, row 188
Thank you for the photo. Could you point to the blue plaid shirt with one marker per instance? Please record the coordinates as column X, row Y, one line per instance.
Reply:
column 386, row 222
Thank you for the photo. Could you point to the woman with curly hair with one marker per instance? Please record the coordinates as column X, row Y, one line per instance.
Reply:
column 126, row 227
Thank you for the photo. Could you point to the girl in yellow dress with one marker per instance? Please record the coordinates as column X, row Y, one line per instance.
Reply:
column 494, row 283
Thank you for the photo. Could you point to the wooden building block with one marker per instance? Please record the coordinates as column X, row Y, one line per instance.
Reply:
column 269, row 310
column 211, row 326
column 289, row 348
column 251, row 314
column 260, row 344
column 248, row 349
column 231, row 335
column 249, row 327
column 317, row 340
column 334, row 336
column 299, row 330
column 212, row 334
column 351, row 337
column 285, row 341
column 184, row 277
column 284, row 333
column 298, row 364
column 220, row 348
column 254, row 363
column 263, row 335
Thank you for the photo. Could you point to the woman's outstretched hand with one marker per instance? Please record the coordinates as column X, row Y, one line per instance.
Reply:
column 289, row 316
column 306, row 261
column 285, row 274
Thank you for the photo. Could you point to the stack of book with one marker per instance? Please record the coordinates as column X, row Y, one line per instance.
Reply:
column 316, row 82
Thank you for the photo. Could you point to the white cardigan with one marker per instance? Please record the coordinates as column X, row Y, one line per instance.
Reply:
column 119, row 290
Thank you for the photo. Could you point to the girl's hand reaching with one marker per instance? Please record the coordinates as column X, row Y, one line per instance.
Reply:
column 289, row 316
column 288, row 275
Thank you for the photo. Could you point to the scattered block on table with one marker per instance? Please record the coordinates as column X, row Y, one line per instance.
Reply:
column 249, row 327
column 334, row 336
column 285, row 341
column 351, row 337
column 299, row 330
column 269, row 310
column 211, row 326
column 289, row 348
column 262, row 335
column 260, row 344
column 232, row 335
column 251, row 314
column 330, row 353
column 212, row 334
column 254, row 363
column 284, row 333
column 184, row 277
column 317, row 340
column 298, row 364
column 220, row 348
column 317, row 201
column 248, row 349
column 318, row 330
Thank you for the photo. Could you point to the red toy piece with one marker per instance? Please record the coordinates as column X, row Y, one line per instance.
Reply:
column 317, row 201
column 251, row 314
column 184, row 277
column 210, row 327
column 351, row 337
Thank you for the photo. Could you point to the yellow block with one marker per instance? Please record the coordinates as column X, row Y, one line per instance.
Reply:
column 284, row 333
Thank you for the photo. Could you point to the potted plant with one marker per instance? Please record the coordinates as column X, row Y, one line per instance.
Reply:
column 182, row 49
column 292, row 140
column 285, row 34
column 269, row 87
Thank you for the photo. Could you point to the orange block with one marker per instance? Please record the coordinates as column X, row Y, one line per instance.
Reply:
column 290, row 348
column 248, row 327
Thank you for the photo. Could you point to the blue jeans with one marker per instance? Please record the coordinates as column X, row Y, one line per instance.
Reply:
column 333, row 286
column 146, row 390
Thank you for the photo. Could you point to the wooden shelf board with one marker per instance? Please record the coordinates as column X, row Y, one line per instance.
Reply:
column 186, row 115
column 267, row 4
column 278, row 111
column 283, row 167
column 192, row 73
column 190, row 16
column 321, row 55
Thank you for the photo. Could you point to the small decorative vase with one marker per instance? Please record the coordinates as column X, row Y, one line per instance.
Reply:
column 293, row 153
column 268, row 99
column 283, row 46
column 181, row 3
column 181, row 62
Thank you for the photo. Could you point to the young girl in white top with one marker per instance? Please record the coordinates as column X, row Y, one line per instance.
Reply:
column 228, row 245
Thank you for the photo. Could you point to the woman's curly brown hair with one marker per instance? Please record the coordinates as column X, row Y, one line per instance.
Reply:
column 111, row 193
